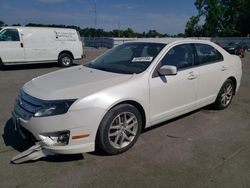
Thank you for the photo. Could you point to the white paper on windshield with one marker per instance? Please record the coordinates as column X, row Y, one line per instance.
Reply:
column 142, row 59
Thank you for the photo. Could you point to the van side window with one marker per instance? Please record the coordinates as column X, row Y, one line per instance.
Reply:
column 9, row 35
column 180, row 56
column 207, row 54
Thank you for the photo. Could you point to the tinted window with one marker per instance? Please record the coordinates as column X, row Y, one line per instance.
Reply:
column 207, row 54
column 9, row 35
column 180, row 56
column 128, row 58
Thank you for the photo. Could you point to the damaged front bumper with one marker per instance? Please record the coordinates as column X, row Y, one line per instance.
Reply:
column 33, row 153
column 51, row 143
column 71, row 133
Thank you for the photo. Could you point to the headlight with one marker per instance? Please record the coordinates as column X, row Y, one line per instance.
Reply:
column 54, row 108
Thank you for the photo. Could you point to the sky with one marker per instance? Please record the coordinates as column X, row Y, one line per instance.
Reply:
column 165, row 16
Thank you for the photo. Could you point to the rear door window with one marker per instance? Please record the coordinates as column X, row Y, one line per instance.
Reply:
column 207, row 54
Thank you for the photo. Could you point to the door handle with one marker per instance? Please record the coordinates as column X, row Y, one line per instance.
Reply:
column 21, row 44
column 192, row 76
column 223, row 68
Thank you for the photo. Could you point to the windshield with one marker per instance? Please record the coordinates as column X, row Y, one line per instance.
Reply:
column 128, row 58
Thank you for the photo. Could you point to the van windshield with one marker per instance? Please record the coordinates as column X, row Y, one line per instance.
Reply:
column 128, row 58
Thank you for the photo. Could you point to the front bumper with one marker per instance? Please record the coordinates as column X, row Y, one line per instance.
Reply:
column 77, row 122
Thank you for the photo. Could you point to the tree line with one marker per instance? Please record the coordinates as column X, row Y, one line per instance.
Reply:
column 225, row 18
column 93, row 32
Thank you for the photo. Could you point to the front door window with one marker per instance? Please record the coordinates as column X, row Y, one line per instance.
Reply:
column 9, row 35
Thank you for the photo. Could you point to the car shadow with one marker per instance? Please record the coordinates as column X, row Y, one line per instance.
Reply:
column 208, row 108
column 13, row 139
column 99, row 152
column 165, row 123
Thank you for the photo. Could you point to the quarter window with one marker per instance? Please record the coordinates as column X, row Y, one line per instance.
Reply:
column 207, row 54
column 9, row 35
column 180, row 56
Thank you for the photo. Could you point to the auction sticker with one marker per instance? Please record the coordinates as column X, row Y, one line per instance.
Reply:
column 142, row 59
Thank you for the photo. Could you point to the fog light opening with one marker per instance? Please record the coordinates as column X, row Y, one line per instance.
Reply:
column 60, row 138
column 63, row 138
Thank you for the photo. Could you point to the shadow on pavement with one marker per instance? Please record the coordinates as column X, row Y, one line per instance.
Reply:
column 13, row 139
column 169, row 121
column 99, row 152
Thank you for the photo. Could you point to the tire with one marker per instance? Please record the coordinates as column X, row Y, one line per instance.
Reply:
column 114, row 135
column 243, row 54
column 225, row 95
column 65, row 60
column 1, row 64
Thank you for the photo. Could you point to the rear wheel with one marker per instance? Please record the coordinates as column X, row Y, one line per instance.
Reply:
column 243, row 54
column 225, row 95
column 119, row 129
column 65, row 60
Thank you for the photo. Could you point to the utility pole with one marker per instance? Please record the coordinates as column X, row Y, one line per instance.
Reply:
column 95, row 14
column 119, row 29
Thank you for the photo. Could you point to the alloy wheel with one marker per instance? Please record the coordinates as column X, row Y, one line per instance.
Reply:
column 123, row 130
column 227, row 94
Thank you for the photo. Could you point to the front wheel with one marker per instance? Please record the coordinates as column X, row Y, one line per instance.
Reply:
column 225, row 95
column 119, row 129
column 65, row 60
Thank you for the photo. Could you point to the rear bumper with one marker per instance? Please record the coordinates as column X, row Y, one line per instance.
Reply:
column 82, row 56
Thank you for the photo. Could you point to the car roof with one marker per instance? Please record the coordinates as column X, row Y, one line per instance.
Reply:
column 173, row 40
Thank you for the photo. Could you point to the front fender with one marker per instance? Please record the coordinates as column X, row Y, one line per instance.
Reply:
column 136, row 91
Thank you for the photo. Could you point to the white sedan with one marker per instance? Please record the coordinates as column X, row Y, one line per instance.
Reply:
column 108, row 102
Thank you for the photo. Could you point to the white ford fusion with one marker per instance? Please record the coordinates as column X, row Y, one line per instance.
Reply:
column 107, row 102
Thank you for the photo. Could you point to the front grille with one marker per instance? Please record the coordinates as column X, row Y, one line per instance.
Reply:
column 26, row 106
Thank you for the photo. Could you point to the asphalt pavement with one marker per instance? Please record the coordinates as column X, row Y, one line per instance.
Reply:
column 205, row 148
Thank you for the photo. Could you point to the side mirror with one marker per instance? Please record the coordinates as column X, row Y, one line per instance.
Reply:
column 167, row 70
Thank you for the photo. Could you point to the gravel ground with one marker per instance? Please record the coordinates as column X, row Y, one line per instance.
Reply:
column 204, row 148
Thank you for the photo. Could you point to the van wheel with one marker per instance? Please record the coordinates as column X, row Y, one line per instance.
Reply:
column 65, row 60
column 225, row 95
column 119, row 129
column 1, row 64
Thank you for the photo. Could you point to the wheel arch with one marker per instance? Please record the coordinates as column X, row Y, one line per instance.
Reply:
column 234, row 81
column 66, row 52
column 138, row 106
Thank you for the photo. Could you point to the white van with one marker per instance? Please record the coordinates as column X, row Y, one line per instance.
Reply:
column 22, row 45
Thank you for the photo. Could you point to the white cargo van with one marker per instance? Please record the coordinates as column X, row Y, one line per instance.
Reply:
column 22, row 45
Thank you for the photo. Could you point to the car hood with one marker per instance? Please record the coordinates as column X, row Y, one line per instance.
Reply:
column 72, row 83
